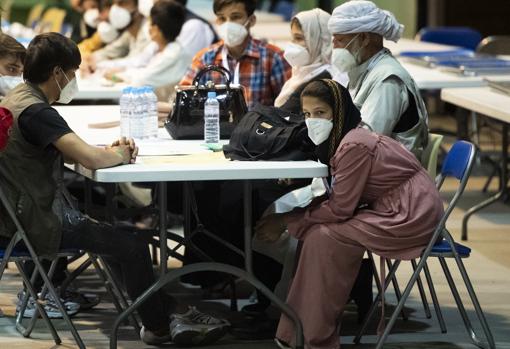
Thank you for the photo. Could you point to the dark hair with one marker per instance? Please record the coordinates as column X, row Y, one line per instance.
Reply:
column 182, row 2
column 249, row 5
column 168, row 16
column 320, row 90
column 104, row 4
column 47, row 51
column 9, row 47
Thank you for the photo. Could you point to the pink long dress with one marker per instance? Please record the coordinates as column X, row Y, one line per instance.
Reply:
column 403, row 209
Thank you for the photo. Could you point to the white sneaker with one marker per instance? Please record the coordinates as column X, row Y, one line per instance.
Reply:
column 149, row 337
column 49, row 306
column 195, row 316
column 196, row 328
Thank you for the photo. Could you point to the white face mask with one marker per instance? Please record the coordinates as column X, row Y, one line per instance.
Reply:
column 297, row 55
column 7, row 83
column 119, row 17
column 69, row 91
column 319, row 129
column 91, row 17
column 233, row 34
column 343, row 59
column 144, row 7
column 107, row 32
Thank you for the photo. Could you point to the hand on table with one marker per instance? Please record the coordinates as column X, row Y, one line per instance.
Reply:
column 111, row 74
column 270, row 228
column 126, row 148
column 88, row 65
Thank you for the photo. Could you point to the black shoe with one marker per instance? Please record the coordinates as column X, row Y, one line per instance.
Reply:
column 255, row 329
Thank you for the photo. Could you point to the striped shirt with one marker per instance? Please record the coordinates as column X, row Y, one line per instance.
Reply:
column 262, row 70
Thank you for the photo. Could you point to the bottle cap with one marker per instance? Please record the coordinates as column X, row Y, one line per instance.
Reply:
column 211, row 94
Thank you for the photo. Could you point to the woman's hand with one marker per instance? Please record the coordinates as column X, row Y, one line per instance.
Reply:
column 126, row 148
column 111, row 74
column 164, row 109
column 270, row 228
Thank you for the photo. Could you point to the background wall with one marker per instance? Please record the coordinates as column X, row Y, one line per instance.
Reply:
column 405, row 10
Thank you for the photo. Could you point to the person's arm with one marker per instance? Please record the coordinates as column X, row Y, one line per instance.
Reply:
column 166, row 69
column 134, row 61
column 195, row 35
column 384, row 106
column 74, row 149
column 352, row 165
column 117, row 49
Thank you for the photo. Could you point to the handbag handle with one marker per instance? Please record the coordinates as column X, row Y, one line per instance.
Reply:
column 226, row 74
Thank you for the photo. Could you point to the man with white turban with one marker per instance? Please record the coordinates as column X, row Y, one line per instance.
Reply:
column 387, row 96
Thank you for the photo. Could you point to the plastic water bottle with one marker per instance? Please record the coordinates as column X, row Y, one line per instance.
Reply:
column 152, row 112
column 125, row 111
column 136, row 124
column 211, row 119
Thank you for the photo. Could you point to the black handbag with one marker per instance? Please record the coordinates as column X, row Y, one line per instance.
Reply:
column 269, row 133
column 186, row 120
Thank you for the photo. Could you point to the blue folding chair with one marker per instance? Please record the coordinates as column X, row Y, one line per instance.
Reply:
column 458, row 164
column 456, row 36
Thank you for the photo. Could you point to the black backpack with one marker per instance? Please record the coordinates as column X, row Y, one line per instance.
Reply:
column 270, row 133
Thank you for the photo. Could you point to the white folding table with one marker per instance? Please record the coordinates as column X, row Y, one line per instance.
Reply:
column 189, row 172
column 495, row 105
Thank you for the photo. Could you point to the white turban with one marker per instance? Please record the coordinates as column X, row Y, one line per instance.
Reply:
column 361, row 16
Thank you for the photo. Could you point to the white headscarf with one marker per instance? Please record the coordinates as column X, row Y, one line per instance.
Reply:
column 314, row 24
column 361, row 16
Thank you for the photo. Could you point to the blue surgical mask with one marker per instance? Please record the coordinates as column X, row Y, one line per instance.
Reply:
column 8, row 82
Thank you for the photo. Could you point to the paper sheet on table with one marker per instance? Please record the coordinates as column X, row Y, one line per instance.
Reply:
column 208, row 157
column 164, row 148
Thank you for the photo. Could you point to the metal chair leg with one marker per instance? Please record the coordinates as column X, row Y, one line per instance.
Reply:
column 373, row 308
column 122, row 301
column 462, row 310
column 400, row 305
column 423, row 296
column 435, row 301
column 33, row 320
column 53, row 293
column 396, row 287
column 378, row 281
column 39, row 309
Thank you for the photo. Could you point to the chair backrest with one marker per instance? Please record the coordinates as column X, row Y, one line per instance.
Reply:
column 430, row 153
column 456, row 36
column 35, row 14
column 52, row 20
column 458, row 164
column 495, row 45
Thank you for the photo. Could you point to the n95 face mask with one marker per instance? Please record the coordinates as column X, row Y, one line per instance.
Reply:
column 7, row 83
column 107, row 32
column 233, row 34
column 91, row 17
column 297, row 55
column 119, row 17
column 69, row 91
column 319, row 129
column 343, row 59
